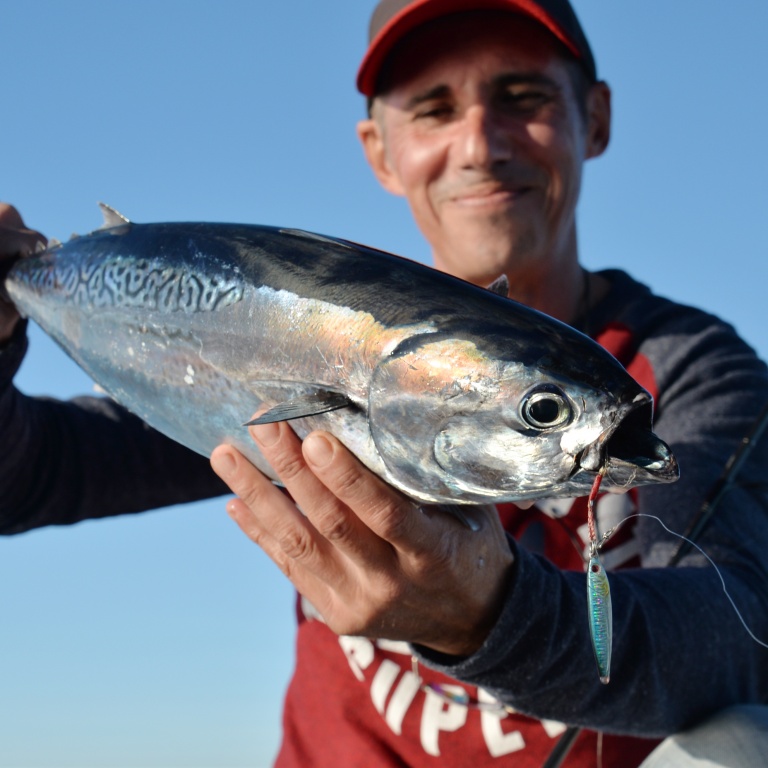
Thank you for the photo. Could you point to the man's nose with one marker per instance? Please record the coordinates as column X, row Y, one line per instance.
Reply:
column 484, row 140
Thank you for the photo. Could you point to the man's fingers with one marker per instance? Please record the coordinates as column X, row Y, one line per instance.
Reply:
column 15, row 241
column 383, row 509
column 282, row 449
column 273, row 521
column 10, row 217
column 270, row 509
column 249, row 524
column 329, row 515
column 15, row 238
column 270, row 519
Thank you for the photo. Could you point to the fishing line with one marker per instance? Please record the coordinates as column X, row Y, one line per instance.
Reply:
column 723, row 484
column 613, row 530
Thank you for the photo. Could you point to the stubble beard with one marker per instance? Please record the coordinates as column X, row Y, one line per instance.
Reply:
column 491, row 250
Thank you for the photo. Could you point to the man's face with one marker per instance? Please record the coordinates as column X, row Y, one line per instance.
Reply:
column 480, row 129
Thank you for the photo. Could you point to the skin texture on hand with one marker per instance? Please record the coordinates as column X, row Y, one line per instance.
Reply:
column 15, row 240
column 370, row 560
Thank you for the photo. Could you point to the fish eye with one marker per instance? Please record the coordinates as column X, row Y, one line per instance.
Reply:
column 545, row 407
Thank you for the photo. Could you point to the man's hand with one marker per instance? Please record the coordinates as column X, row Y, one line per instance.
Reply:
column 370, row 560
column 15, row 240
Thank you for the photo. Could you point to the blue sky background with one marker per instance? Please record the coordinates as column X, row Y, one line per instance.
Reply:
column 166, row 639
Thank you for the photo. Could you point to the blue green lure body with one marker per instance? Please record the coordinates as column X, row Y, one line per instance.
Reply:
column 600, row 615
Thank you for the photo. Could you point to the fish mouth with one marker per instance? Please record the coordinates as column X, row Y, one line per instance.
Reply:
column 630, row 451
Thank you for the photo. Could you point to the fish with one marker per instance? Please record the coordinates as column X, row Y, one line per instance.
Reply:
column 452, row 393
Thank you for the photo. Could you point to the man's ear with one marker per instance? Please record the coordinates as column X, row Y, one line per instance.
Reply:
column 371, row 136
column 598, row 119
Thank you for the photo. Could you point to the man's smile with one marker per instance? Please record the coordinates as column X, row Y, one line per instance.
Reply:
column 489, row 196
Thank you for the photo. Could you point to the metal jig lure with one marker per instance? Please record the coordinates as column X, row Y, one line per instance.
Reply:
column 600, row 614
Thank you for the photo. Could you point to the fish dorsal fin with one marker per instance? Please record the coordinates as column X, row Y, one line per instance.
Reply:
column 112, row 218
column 306, row 405
column 500, row 286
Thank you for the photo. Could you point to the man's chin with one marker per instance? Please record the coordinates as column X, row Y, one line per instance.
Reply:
column 485, row 255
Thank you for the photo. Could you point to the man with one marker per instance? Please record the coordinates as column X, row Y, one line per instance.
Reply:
column 482, row 120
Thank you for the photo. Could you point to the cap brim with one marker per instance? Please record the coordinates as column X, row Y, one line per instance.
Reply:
column 420, row 12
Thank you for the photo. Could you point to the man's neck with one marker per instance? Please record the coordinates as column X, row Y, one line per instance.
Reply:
column 562, row 292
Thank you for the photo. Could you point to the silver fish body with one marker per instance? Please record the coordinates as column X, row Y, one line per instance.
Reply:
column 449, row 392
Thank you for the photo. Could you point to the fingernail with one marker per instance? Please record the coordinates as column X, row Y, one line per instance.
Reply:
column 223, row 464
column 266, row 434
column 318, row 450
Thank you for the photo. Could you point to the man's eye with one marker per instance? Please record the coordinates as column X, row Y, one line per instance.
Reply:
column 434, row 112
column 526, row 101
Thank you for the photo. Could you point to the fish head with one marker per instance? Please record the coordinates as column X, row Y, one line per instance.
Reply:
column 461, row 419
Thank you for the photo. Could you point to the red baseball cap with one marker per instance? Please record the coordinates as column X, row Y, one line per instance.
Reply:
column 393, row 19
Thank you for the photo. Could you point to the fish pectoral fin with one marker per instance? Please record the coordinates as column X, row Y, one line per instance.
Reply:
column 305, row 405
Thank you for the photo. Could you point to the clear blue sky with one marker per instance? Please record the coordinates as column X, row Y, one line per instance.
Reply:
column 165, row 639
